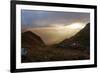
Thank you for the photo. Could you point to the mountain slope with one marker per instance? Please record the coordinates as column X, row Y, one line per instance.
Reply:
column 38, row 51
column 29, row 39
column 55, row 35
column 82, row 38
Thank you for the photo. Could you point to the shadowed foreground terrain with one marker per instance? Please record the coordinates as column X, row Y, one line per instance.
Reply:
column 75, row 48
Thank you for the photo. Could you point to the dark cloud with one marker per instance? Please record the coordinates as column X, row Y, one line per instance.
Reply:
column 33, row 18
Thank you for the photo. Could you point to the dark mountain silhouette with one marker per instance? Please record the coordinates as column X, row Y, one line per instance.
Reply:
column 81, row 39
column 29, row 39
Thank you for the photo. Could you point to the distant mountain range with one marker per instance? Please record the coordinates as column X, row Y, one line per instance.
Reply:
column 82, row 38
column 38, row 50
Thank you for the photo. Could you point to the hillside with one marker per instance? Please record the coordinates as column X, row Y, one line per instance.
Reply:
column 82, row 39
column 75, row 48
column 29, row 39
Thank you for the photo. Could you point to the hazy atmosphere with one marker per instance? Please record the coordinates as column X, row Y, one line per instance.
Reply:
column 33, row 18
column 54, row 36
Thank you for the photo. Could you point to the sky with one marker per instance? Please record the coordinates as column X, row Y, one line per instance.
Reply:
column 37, row 18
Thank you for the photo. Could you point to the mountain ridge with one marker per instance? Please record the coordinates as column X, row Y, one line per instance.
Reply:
column 82, row 37
column 69, row 49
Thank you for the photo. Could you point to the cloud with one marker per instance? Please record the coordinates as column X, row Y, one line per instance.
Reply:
column 36, row 18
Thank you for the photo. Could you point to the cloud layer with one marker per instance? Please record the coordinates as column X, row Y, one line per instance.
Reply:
column 36, row 18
